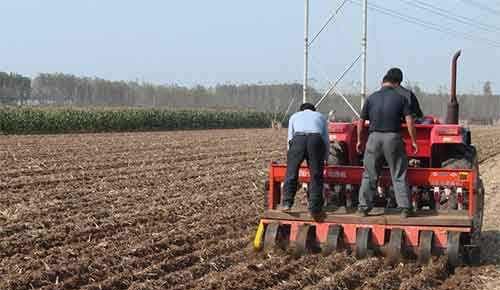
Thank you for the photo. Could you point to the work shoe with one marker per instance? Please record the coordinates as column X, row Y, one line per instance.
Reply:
column 284, row 208
column 405, row 213
column 330, row 207
column 363, row 212
column 318, row 216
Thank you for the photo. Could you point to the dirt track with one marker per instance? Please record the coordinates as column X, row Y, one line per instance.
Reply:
column 177, row 210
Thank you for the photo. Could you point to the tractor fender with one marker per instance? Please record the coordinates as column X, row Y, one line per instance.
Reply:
column 448, row 134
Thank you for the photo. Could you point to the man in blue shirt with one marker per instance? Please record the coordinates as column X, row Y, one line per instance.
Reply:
column 307, row 140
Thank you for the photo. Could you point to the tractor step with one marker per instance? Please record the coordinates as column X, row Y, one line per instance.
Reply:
column 377, row 217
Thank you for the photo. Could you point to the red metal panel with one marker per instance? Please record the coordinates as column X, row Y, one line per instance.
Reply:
column 440, row 238
column 423, row 141
column 322, row 232
column 271, row 204
column 353, row 175
column 346, row 132
column 427, row 135
column 378, row 235
column 349, row 233
column 437, row 136
column 342, row 132
column 294, row 230
column 411, row 237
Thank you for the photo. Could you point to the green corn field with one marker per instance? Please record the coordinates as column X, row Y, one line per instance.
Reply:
column 73, row 120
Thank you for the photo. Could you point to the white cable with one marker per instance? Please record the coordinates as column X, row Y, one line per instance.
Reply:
column 331, row 18
column 333, row 85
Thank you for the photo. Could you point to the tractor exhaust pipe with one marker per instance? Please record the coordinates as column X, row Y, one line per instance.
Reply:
column 453, row 107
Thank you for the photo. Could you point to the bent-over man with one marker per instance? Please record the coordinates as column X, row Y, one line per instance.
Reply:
column 385, row 109
column 307, row 140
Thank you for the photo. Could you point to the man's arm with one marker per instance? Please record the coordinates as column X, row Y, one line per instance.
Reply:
column 412, row 132
column 360, row 129
column 361, row 123
column 290, row 132
column 410, row 123
column 326, row 139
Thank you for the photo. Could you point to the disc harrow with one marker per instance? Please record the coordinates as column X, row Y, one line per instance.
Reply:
column 426, row 233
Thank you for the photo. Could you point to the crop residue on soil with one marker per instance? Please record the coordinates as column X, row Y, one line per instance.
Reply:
column 177, row 210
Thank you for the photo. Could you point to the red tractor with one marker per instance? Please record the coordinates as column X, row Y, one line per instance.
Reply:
column 447, row 197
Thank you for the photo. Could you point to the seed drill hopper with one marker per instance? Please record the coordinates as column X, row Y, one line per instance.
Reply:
column 447, row 198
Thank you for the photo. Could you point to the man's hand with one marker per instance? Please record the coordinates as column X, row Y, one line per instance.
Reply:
column 360, row 125
column 358, row 147
column 415, row 147
column 412, row 132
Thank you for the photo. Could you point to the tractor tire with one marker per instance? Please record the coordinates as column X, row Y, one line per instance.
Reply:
column 463, row 158
column 338, row 154
column 457, row 163
column 467, row 159
column 473, row 251
column 460, row 158
column 477, row 221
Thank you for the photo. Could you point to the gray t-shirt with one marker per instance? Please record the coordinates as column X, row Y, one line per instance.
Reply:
column 416, row 112
column 385, row 109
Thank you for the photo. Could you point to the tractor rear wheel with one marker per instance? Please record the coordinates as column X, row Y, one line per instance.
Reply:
column 477, row 221
column 338, row 154
column 461, row 158
column 473, row 251
column 457, row 163
column 466, row 158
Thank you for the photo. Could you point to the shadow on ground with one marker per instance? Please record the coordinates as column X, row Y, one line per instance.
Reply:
column 490, row 247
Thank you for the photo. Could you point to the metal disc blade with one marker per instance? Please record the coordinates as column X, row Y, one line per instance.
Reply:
column 333, row 240
column 271, row 236
column 453, row 249
column 362, row 242
column 425, row 247
column 303, row 242
column 395, row 251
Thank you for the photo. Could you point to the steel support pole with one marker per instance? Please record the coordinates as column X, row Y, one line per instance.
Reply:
column 364, row 41
column 306, row 51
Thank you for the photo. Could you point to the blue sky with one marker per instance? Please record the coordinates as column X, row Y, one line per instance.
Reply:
column 207, row 42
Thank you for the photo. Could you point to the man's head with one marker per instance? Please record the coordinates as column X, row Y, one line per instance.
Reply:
column 307, row 106
column 393, row 76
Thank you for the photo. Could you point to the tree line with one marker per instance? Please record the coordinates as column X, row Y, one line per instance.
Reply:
column 66, row 89
column 69, row 90
column 14, row 88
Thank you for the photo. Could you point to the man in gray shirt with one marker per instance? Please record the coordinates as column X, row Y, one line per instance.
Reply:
column 385, row 109
column 307, row 140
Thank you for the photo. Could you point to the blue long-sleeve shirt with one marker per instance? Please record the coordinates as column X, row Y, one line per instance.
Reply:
column 308, row 121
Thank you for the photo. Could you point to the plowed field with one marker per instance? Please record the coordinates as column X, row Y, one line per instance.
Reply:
column 177, row 210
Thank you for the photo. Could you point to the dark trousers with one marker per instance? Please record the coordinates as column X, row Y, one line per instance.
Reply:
column 311, row 148
column 391, row 147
